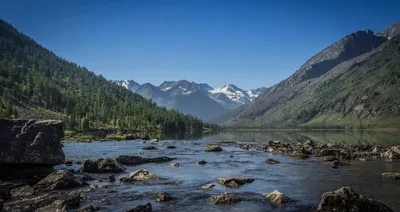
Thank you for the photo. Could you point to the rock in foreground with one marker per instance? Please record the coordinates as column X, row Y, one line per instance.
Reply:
column 29, row 145
column 234, row 182
column 277, row 198
column 136, row 160
column 225, row 198
column 102, row 165
column 347, row 200
column 61, row 179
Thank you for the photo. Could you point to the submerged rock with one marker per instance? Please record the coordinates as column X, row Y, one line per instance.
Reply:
column 102, row 165
column 234, row 182
column 171, row 147
column 149, row 148
column 208, row 186
column 272, row 161
column 111, row 178
column 347, row 200
column 58, row 180
column 300, row 156
column 141, row 208
column 277, row 198
column 201, row 162
column 141, row 175
column 225, row 198
column 174, row 164
column 213, row 148
column 163, row 197
column 391, row 175
column 136, row 160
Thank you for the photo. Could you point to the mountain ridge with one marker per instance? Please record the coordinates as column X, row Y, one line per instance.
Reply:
column 330, row 89
column 172, row 94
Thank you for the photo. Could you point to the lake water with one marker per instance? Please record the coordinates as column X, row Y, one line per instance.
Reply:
column 301, row 180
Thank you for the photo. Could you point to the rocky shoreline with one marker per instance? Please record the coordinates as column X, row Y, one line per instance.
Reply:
column 70, row 190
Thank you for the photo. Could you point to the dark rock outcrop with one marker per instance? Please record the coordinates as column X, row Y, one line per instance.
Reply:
column 102, row 165
column 136, row 160
column 58, row 180
column 347, row 200
column 30, row 145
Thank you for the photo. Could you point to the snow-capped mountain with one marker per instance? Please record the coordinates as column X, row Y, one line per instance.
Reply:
column 199, row 99
column 128, row 84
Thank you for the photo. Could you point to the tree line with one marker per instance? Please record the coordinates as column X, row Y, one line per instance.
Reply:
column 33, row 77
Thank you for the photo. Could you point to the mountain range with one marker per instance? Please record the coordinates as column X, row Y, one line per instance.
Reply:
column 198, row 99
column 355, row 82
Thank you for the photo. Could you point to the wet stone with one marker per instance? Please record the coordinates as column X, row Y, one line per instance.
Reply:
column 201, row 162
column 225, row 198
column 277, row 198
column 149, row 148
column 141, row 208
column 213, row 148
column 234, row 182
column 391, row 175
column 271, row 161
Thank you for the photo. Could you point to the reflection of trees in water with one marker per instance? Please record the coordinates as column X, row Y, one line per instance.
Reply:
column 349, row 137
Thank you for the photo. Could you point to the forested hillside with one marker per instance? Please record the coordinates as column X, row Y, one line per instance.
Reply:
column 353, row 83
column 35, row 83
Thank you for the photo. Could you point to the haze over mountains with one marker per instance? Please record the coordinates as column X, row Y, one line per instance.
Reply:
column 355, row 82
column 198, row 99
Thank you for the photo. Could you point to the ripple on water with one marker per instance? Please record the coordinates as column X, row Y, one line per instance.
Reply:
column 301, row 180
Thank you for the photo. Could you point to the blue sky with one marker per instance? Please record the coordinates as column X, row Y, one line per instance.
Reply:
column 247, row 43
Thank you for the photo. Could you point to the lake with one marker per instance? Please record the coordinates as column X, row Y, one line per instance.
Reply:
column 301, row 180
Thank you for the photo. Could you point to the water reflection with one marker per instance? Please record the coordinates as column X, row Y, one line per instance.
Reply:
column 335, row 136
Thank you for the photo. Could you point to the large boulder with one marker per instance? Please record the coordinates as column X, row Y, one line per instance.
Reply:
column 61, row 179
column 136, row 160
column 347, row 200
column 141, row 175
column 29, row 144
column 102, row 165
column 234, row 182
